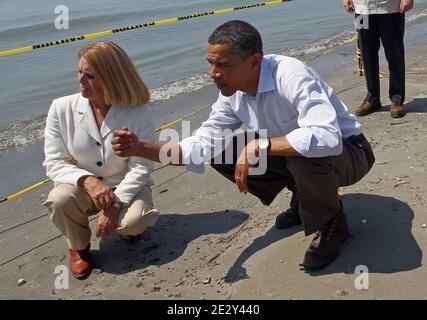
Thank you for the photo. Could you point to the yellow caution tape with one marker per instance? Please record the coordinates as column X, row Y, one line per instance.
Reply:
column 349, row 40
column 23, row 191
column 135, row 27
column 180, row 119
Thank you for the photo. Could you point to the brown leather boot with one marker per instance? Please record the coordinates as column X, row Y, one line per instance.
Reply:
column 290, row 217
column 367, row 107
column 80, row 263
column 327, row 242
column 397, row 110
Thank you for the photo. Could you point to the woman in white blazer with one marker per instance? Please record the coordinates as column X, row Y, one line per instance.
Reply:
column 88, row 176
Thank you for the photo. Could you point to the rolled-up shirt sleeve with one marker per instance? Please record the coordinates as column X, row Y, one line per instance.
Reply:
column 319, row 134
column 208, row 141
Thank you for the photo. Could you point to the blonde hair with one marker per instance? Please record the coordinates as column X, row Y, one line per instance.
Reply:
column 116, row 73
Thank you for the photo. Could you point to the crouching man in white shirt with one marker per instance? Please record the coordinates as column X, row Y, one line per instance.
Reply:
column 313, row 144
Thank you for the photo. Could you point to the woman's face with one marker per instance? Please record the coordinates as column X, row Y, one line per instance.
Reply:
column 89, row 85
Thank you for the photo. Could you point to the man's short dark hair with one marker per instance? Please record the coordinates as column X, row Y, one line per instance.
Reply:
column 243, row 39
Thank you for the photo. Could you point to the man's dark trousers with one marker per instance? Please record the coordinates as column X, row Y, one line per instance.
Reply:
column 390, row 29
column 316, row 179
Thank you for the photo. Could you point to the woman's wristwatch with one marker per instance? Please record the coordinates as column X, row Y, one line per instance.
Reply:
column 118, row 205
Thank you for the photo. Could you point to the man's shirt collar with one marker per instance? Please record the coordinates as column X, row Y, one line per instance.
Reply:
column 266, row 81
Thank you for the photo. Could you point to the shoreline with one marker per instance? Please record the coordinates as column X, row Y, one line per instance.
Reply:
column 213, row 243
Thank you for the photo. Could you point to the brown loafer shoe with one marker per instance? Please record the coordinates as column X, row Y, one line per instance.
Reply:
column 80, row 263
column 397, row 110
column 367, row 108
column 290, row 217
column 327, row 242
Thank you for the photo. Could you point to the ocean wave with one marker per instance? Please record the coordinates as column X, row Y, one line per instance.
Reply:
column 415, row 15
column 187, row 85
column 322, row 44
column 22, row 133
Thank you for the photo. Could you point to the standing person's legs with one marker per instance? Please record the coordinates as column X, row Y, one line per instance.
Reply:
column 392, row 30
column 369, row 45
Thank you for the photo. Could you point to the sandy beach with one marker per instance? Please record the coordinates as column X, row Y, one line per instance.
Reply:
column 211, row 242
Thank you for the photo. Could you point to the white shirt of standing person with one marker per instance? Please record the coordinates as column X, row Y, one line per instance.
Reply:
column 378, row 6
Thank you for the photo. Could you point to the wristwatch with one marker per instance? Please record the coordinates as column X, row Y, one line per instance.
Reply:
column 264, row 145
column 118, row 205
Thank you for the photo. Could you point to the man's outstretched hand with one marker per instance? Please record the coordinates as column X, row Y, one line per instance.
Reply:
column 125, row 143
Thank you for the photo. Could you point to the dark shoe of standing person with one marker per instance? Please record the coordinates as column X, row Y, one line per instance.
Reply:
column 327, row 242
column 290, row 217
column 80, row 263
column 367, row 108
column 397, row 110
column 129, row 239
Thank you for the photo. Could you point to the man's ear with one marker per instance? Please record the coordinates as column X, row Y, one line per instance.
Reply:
column 256, row 60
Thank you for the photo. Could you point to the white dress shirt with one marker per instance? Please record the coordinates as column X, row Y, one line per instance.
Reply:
column 376, row 6
column 74, row 146
column 292, row 100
